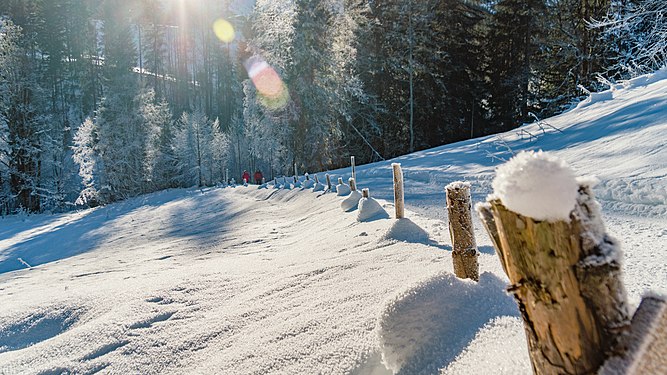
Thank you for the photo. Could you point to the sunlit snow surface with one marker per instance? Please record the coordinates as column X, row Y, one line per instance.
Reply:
column 245, row 280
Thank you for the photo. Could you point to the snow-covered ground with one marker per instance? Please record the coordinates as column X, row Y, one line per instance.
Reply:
column 246, row 280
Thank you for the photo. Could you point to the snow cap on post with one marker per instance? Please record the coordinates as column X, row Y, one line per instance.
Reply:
column 537, row 185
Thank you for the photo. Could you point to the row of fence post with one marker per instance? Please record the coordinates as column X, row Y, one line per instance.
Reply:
column 572, row 299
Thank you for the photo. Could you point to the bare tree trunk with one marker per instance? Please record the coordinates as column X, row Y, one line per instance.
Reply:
column 566, row 279
column 464, row 248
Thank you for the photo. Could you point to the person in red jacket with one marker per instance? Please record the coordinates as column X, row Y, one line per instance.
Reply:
column 245, row 177
column 258, row 177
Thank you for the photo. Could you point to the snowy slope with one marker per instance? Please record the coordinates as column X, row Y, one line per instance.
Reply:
column 245, row 280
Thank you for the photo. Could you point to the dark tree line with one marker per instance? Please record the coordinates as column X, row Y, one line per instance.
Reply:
column 101, row 100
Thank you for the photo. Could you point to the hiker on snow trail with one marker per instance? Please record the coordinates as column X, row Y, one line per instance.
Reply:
column 258, row 177
column 246, row 176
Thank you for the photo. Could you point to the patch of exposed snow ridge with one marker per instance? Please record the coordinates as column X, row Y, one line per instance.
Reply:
column 537, row 185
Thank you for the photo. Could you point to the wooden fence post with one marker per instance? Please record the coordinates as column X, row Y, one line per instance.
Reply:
column 317, row 181
column 328, row 181
column 398, row 190
column 353, row 185
column 365, row 193
column 354, row 174
column 566, row 279
column 464, row 248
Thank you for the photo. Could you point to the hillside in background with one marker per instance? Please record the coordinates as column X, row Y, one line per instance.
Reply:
column 247, row 280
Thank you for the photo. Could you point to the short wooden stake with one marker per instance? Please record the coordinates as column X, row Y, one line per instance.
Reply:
column 317, row 181
column 464, row 253
column 565, row 276
column 365, row 193
column 328, row 181
column 340, row 180
column 295, row 179
column 353, row 185
column 398, row 190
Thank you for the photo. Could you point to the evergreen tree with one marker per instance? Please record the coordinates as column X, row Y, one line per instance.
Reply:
column 21, row 122
column 514, row 42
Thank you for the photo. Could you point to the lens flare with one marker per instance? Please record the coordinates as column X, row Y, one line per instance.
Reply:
column 272, row 91
column 224, row 30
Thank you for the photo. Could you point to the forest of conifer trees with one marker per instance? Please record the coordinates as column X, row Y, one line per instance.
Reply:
column 101, row 100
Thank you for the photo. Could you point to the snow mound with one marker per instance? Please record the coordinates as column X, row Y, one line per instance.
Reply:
column 647, row 79
column 425, row 327
column 350, row 203
column 491, row 352
column 308, row 184
column 318, row 187
column 407, row 231
column 342, row 189
column 42, row 324
column 596, row 97
column 370, row 209
column 537, row 185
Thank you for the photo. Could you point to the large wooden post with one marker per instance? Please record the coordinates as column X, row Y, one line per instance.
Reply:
column 565, row 276
column 464, row 248
column 398, row 190
column 354, row 174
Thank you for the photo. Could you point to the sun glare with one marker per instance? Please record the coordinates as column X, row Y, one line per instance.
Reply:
column 272, row 91
column 223, row 30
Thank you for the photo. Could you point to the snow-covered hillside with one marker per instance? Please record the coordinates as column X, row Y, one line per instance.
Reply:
column 246, row 280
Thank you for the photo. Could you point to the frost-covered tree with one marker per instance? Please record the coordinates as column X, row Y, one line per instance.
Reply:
column 156, row 118
column 267, row 131
column 197, row 144
column 636, row 31
column 85, row 156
